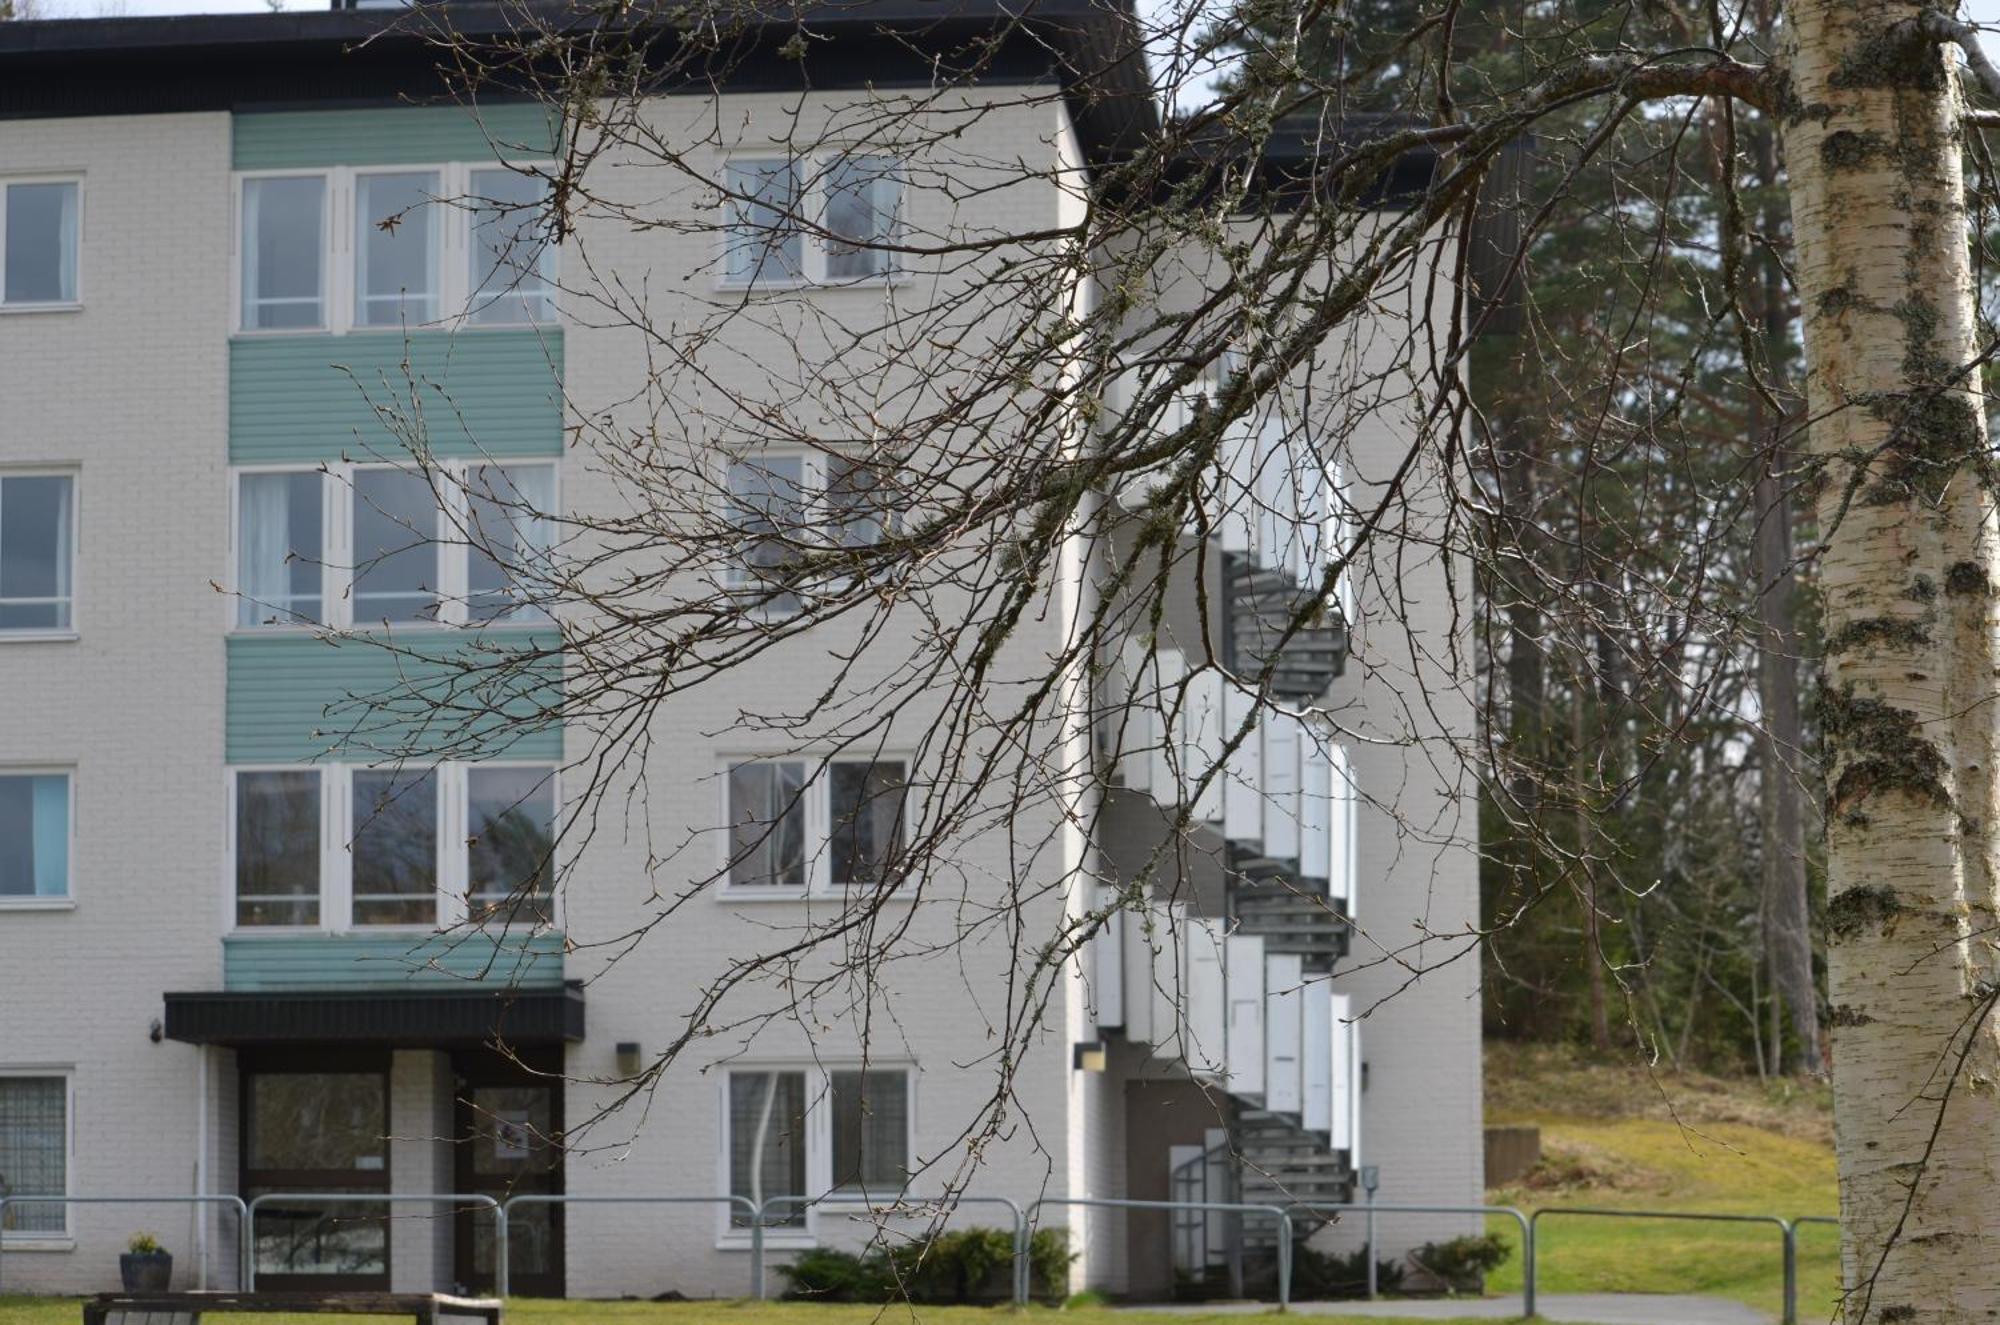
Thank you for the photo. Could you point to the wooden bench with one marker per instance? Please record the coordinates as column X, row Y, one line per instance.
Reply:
column 189, row 1308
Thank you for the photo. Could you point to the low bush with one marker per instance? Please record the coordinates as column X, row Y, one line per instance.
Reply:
column 1462, row 1264
column 1319, row 1276
column 962, row 1266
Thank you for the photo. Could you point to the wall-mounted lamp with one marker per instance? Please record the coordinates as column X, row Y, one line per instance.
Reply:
column 1090, row 1056
column 628, row 1058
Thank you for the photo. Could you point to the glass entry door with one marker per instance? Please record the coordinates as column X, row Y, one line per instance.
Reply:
column 509, row 1143
column 322, row 1128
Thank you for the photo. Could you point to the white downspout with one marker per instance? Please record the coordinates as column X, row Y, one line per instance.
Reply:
column 201, row 1164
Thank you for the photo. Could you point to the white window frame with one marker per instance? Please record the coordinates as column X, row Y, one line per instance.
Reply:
column 40, row 634
column 337, row 511
column 813, row 470
column 66, row 1239
column 812, row 171
column 46, row 305
column 817, row 794
column 336, row 860
column 66, row 902
column 819, row 1145
column 338, row 258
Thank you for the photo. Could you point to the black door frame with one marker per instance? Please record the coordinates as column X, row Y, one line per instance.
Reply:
column 539, row 1066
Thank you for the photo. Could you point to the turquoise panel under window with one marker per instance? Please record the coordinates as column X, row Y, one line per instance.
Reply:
column 294, row 699
column 34, row 835
column 322, row 398
column 311, row 399
column 392, row 135
column 272, row 963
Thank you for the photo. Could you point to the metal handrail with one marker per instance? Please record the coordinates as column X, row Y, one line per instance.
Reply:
column 476, row 1199
column 500, row 1267
column 1512, row 1212
column 1786, row 1232
column 1220, row 1207
column 1018, row 1274
column 242, row 1211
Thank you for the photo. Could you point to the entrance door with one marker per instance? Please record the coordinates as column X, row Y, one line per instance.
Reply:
column 318, row 1123
column 508, row 1125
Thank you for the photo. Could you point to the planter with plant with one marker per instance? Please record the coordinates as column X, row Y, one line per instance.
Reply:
column 145, row 1267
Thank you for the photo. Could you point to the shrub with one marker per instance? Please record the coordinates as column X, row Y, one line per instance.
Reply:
column 1323, row 1276
column 961, row 1266
column 143, row 1244
column 1462, row 1264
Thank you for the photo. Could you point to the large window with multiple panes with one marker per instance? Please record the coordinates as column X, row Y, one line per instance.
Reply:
column 799, row 825
column 827, row 218
column 340, row 847
column 392, row 248
column 337, row 545
column 825, row 1132
column 791, row 506
column 34, row 1153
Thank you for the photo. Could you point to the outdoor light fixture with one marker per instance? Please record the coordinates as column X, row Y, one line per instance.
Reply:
column 628, row 1057
column 1090, row 1056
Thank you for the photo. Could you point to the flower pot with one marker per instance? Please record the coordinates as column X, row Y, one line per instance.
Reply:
column 146, row 1271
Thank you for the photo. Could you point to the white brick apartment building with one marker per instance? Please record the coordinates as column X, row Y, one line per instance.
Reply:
column 236, row 947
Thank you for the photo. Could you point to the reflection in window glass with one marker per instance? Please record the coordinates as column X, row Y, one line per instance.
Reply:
column 36, row 537
column 34, row 835
column 862, row 195
column 767, row 1140
column 278, row 547
column 42, row 231
column 283, row 245
column 510, row 841
column 508, row 509
column 871, row 1130
column 513, row 264
column 395, row 249
column 395, row 546
column 866, row 815
column 762, row 231
column 767, row 824
column 277, row 847
column 394, row 847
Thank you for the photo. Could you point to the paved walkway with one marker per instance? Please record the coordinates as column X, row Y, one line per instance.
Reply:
column 1582, row 1308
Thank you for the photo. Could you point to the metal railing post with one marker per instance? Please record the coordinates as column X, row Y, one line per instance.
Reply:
column 209, row 1198
column 501, row 1267
column 1368, row 1251
column 478, row 1200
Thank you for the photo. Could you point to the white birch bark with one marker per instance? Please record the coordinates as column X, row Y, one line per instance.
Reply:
column 1907, row 513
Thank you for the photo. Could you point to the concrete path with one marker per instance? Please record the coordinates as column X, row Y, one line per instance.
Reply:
column 1581, row 1308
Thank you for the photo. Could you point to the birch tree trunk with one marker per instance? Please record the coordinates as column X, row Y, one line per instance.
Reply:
column 1872, row 142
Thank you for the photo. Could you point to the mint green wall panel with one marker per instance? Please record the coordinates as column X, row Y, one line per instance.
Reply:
column 281, row 963
column 294, row 699
column 392, row 135
column 469, row 393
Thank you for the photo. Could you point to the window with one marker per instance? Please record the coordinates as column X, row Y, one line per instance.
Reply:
column 510, row 837
column 770, row 203
column 763, row 240
column 787, row 504
column 395, row 546
column 508, row 509
column 395, row 249
column 341, row 847
column 413, row 246
column 37, row 547
column 34, row 1154
column 279, row 549
column 871, row 1131
column 284, row 253
column 318, row 1127
column 767, row 1140
column 511, row 278
column 395, row 847
column 278, row 847
column 863, row 195
column 791, row 825
column 811, row 1132
column 34, row 836
column 39, row 230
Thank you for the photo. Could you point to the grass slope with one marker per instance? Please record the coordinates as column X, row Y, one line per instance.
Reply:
column 1628, row 1139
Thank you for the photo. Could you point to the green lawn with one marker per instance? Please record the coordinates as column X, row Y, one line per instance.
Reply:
column 528, row 1311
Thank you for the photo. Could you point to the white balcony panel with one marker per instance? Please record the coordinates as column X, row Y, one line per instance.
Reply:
column 1108, row 963
column 1233, row 517
column 1343, row 814
column 1315, row 811
column 1281, row 787
column 1244, row 958
column 1346, row 1075
column 1243, row 797
column 1201, row 744
column 1284, row 1014
column 1204, row 1021
column 1137, row 728
column 1161, row 690
column 1152, row 952
column 1316, row 1057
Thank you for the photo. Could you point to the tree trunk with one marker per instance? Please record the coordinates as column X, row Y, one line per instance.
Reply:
column 1878, row 208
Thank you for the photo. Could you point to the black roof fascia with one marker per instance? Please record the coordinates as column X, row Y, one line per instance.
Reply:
column 414, row 1019
column 211, row 62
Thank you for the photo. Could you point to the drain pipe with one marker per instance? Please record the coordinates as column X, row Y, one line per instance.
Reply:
column 1371, row 1178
